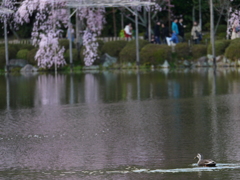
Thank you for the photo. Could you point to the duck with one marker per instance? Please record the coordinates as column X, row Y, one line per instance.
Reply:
column 205, row 162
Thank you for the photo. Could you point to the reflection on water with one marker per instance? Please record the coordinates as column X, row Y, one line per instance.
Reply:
column 120, row 124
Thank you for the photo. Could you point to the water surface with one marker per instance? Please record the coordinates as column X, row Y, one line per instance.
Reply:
column 120, row 124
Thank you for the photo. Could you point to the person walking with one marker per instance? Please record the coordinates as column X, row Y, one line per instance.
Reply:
column 175, row 30
column 181, row 29
column 164, row 33
column 175, row 26
column 128, row 31
column 196, row 33
column 157, row 33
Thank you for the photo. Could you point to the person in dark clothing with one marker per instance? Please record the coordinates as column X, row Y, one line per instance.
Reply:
column 153, row 40
column 181, row 29
column 157, row 33
column 164, row 32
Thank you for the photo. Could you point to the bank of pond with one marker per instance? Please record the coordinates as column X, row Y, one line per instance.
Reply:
column 122, row 54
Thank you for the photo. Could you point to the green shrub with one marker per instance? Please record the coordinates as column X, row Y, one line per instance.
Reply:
column 27, row 46
column 74, row 55
column 65, row 43
column 31, row 56
column 206, row 27
column 221, row 36
column 100, row 44
column 206, row 36
column 220, row 47
column 128, row 53
column 113, row 48
column 154, row 54
column 22, row 46
column 2, row 58
column 11, row 54
column 232, row 52
column 182, row 50
column 221, row 28
column 187, row 36
column 22, row 54
column 199, row 50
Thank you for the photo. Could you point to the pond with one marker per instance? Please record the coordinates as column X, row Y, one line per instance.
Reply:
column 120, row 125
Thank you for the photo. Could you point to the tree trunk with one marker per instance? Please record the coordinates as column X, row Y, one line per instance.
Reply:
column 219, row 18
column 193, row 14
column 122, row 20
column 200, row 14
column 114, row 22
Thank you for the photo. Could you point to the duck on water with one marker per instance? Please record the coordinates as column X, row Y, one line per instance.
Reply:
column 205, row 162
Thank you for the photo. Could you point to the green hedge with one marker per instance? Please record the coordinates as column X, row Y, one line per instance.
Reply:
column 100, row 44
column 22, row 46
column 31, row 56
column 113, row 48
column 11, row 52
column 199, row 50
column 74, row 55
column 221, row 28
column 233, row 50
column 220, row 47
column 64, row 43
column 182, row 51
column 154, row 54
column 22, row 54
column 128, row 53
column 187, row 36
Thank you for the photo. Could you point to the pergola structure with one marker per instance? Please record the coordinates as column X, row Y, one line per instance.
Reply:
column 113, row 3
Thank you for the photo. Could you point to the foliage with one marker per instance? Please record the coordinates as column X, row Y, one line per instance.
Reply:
column 220, row 47
column 232, row 52
column 2, row 58
column 18, row 47
column 65, row 43
column 25, row 46
column 221, row 28
column 187, row 35
column 155, row 54
column 22, row 54
column 74, row 56
column 221, row 36
column 182, row 50
column 206, row 26
column 12, row 53
column 199, row 50
column 100, row 44
column 128, row 53
column 31, row 56
column 113, row 48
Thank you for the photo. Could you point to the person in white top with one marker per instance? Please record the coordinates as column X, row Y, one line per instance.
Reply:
column 128, row 31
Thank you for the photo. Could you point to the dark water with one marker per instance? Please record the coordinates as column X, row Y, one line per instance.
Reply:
column 120, row 125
